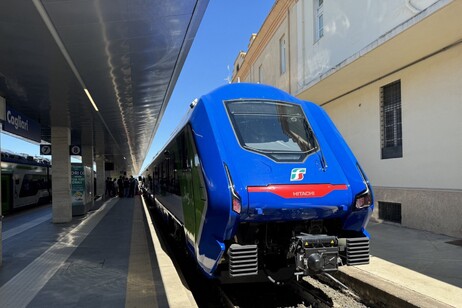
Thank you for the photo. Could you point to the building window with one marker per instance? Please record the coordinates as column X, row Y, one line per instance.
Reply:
column 319, row 19
column 282, row 55
column 390, row 115
column 260, row 74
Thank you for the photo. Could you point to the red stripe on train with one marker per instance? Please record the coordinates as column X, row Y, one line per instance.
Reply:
column 298, row 191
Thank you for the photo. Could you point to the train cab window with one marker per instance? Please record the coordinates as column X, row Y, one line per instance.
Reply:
column 275, row 129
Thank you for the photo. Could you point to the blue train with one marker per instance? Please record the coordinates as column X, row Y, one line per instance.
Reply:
column 261, row 185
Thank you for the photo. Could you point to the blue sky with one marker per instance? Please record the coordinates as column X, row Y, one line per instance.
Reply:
column 224, row 31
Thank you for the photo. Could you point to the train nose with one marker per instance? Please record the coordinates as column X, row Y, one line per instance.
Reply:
column 297, row 201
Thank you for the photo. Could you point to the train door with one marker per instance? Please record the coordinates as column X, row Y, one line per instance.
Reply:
column 7, row 193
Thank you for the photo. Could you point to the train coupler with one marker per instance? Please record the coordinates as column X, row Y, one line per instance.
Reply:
column 314, row 254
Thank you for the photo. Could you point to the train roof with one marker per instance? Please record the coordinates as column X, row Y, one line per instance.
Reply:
column 22, row 158
column 249, row 91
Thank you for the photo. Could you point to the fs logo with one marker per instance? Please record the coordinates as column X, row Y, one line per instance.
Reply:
column 297, row 174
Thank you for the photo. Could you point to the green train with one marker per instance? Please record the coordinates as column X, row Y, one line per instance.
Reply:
column 26, row 181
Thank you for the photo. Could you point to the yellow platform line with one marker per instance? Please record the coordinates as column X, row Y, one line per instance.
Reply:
column 140, row 282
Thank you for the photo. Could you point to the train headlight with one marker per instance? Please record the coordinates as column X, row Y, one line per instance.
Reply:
column 236, row 199
column 236, row 203
column 363, row 200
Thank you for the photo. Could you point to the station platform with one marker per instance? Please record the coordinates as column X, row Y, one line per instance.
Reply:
column 409, row 268
column 111, row 257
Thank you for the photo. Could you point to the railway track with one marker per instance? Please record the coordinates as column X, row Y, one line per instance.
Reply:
column 322, row 291
column 309, row 292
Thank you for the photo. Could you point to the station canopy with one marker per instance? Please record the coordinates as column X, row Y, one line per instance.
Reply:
column 124, row 54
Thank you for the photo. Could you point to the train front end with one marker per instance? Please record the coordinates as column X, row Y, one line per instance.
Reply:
column 301, row 199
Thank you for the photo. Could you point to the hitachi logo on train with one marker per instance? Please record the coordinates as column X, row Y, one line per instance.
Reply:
column 297, row 174
column 303, row 194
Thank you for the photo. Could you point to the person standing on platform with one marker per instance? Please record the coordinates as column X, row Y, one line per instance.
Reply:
column 114, row 188
column 132, row 187
column 111, row 188
column 126, row 187
column 120, row 183
column 107, row 191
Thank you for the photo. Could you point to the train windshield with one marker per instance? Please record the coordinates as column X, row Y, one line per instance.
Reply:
column 278, row 130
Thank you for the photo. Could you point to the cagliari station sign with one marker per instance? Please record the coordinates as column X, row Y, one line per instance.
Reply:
column 19, row 124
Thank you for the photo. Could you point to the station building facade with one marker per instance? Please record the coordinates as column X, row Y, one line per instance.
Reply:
column 389, row 74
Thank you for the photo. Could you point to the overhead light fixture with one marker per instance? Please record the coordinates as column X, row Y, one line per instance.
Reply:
column 91, row 99
column 46, row 19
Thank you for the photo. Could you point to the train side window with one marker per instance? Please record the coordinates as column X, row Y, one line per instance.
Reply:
column 29, row 186
column 195, row 165
column 156, row 182
column 171, row 163
column 183, row 150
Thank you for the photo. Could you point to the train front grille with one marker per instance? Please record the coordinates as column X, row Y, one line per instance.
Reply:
column 243, row 260
column 357, row 251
